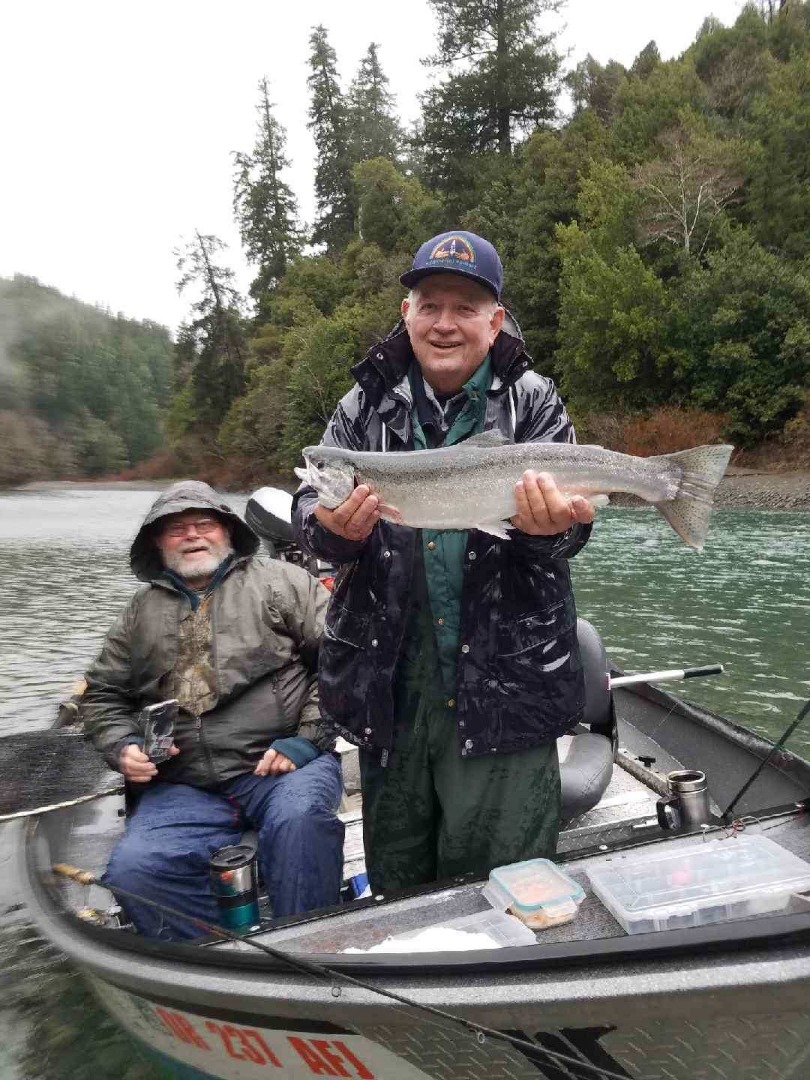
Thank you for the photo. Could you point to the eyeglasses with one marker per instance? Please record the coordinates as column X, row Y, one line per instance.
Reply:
column 200, row 525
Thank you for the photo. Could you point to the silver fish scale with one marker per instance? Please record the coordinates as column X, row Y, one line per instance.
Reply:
column 458, row 487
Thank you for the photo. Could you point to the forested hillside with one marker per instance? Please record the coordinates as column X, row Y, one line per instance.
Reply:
column 654, row 223
column 82, row 392
column 656, row 241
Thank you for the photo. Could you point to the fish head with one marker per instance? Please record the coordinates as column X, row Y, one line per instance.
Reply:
column 330, row 472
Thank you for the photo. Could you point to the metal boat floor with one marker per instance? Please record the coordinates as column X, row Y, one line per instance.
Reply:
column 364, row 925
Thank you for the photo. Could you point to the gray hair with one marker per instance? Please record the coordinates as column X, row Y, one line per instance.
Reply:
column 493, row 304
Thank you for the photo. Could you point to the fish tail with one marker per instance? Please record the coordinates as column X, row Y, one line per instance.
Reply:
column 689, row 512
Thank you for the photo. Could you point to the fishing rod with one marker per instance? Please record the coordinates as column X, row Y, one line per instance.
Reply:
column 769, row 757
column 670, row 675
column 326, row 973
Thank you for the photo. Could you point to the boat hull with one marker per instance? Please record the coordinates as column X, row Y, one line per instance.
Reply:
column 704, row 1003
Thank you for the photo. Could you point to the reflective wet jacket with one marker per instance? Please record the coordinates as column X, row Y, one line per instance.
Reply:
column 519, row 677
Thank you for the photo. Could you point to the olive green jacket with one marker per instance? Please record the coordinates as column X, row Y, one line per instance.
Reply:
column 266, row 625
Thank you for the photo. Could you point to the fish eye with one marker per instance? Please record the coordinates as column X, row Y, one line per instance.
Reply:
column 319, row 464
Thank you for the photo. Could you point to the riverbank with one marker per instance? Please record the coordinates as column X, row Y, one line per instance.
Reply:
column 751, row 489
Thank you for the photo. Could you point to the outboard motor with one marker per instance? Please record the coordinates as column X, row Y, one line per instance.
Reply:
column 269, row 514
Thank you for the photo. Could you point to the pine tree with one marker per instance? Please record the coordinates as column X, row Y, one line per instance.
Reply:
column 328, row 120
column 265, row 207
column 217, row 374
column 508, row 83
column 374, row 128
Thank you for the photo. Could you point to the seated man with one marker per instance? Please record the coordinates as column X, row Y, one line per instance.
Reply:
column 236, row 643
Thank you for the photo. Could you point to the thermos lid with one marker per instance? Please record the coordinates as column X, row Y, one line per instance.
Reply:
column 232, row 858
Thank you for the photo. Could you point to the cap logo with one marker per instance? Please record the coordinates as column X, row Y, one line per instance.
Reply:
column 455, row 248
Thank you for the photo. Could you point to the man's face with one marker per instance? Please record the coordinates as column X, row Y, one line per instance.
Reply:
column 193, row 543
column 452, row 323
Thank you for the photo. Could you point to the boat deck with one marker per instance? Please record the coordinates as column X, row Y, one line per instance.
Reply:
column 625, row 816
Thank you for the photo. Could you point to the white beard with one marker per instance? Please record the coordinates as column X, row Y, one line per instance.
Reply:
column 198, row 566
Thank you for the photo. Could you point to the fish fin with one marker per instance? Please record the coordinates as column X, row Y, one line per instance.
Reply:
column 487, row 439
column 390, row 513
column 689, row 512
column 495, row 528
column 302, row 474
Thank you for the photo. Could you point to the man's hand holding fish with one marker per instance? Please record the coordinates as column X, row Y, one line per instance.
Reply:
column 542, row 508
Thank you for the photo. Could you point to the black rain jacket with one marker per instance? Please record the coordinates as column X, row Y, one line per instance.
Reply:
column 520, row 681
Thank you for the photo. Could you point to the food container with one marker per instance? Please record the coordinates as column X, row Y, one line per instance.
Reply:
column 537, row 891
column 677, row 885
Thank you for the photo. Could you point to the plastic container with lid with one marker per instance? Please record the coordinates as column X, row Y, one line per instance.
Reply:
column 537, row 891
column 692, row 885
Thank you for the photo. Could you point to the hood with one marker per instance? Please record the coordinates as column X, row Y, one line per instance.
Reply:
column 144, row 558
column 386, row 363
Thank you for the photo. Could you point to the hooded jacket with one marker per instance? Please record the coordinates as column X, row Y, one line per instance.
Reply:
column 519, row 677
column 266, row 626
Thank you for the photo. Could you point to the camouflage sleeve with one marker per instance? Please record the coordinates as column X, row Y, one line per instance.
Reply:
column 109, row 706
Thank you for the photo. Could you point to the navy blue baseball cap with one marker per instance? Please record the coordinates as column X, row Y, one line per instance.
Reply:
column 458, row 253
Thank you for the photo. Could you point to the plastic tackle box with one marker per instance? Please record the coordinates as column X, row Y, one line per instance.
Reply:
column 679, row 886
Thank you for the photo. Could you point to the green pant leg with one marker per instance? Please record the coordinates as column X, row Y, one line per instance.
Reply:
column 494, row 810
column 399, row 812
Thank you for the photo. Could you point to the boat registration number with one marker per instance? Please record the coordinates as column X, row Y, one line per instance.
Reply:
column 215, row 1046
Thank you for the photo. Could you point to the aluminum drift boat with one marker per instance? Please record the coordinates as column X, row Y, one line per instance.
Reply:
column 580, row 1000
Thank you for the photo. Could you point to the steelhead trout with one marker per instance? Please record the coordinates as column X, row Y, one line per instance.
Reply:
column 472, row 485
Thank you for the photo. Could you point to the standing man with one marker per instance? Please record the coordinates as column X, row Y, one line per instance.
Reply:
column 236, row 643
column 450, row 657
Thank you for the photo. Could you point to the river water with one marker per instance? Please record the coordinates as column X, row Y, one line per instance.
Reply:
column 745, row 603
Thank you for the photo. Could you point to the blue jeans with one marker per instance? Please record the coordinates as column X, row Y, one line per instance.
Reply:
column 163, row 855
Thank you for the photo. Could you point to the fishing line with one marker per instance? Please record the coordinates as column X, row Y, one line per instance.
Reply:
column 776, row 746
column 322, row 971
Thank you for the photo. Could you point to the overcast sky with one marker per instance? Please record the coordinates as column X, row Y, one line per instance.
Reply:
column 118, row 119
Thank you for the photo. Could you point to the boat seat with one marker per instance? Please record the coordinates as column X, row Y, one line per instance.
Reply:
column 587, row 769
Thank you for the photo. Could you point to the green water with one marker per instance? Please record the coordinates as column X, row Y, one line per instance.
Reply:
column 745, row 603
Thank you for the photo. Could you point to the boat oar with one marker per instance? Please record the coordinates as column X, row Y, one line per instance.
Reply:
column 672, row 675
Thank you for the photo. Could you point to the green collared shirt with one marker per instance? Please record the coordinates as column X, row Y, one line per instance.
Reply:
column 435, row 622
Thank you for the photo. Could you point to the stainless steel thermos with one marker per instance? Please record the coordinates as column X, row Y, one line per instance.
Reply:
column 235, row 884
column 686, row 807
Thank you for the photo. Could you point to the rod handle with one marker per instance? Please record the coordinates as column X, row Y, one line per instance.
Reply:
column 83, row 877
column 707, row 669
column 672, row 675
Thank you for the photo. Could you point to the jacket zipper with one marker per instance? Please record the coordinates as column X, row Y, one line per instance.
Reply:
column 209, row 760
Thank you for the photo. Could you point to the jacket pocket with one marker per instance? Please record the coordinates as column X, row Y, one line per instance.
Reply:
column 346, row 626
column 535, row 631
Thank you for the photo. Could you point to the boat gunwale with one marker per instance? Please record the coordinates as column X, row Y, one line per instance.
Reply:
column 770, row 929
column 776, row 929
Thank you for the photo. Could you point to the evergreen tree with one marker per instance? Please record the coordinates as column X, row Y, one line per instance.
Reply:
column 265, row 206
column 505, row 87
column 374, row 128
column 217, row 350
column 328, row 120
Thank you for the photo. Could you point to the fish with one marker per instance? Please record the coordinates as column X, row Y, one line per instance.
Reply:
column 471, row 485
